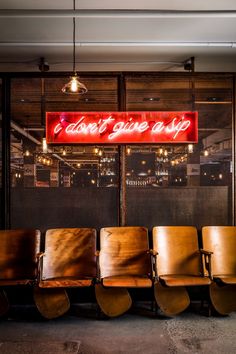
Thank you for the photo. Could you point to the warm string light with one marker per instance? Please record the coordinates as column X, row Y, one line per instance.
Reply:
column 44, row 160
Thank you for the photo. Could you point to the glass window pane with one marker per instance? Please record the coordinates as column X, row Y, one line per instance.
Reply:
column 0, row 148
column 185, row 184
column 55, row 185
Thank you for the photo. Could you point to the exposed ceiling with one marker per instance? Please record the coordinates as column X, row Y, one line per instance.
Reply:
column 145, row 41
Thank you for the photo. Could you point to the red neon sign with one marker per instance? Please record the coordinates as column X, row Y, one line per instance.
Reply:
column 121, row 127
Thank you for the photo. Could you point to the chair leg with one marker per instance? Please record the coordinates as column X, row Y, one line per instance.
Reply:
column 208, row 307
column 4, row 303
column 98, row 312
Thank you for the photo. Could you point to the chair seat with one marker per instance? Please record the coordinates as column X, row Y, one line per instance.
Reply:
column 65, row 283
column 127, row 281
column 9, row 282
column 184, row 280
column 226, row 279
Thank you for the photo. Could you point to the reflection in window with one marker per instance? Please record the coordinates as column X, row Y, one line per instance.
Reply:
column 181, row 165
column 60, row 166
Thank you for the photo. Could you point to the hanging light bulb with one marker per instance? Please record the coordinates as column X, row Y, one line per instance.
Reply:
column 45, row 146
column 128, row 150
column 190, row 148
column 74, row 86
column 27, row 153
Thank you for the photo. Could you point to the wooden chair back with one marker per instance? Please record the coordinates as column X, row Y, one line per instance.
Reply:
column 124, row 251
column 18, row 254
column 178, row 250
column 69, row 253
column 221, row 240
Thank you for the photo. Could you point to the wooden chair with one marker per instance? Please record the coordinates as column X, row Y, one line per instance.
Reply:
column 221, row 240
column 18, row 260
column 124, row 262
column 179, row 263
column 69, row 260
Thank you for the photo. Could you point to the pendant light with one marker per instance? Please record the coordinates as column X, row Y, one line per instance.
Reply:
column 74, row 86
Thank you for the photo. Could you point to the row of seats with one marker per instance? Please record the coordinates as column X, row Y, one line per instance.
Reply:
column 70, row 259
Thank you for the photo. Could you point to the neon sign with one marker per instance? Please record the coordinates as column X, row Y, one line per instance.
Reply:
column 121, row 127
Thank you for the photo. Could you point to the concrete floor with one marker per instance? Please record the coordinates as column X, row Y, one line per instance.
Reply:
column 139, row 331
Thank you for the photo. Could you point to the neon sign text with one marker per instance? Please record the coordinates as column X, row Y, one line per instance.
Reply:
column 121, row 127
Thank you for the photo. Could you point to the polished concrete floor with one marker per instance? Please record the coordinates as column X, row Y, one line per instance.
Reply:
column 140, row 331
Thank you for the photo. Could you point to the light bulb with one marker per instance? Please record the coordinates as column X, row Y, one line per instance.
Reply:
column 45, row 146
column 190, row 148
column 74, row 84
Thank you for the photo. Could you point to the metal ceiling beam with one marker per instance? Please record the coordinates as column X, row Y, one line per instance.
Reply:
column 119, row 44
column 97, row 13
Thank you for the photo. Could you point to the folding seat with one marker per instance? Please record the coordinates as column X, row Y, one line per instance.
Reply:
column 221, row 240
column 69, row 260
column 124, row 262
column 18, row 260
column 179, row 263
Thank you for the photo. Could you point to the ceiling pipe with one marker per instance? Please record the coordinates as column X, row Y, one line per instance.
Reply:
column 20, row 130
column 119, row 44
column 101, row 13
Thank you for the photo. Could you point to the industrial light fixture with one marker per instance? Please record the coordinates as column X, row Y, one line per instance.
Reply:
column 74, row 86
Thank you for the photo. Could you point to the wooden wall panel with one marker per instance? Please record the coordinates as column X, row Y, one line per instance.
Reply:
column 195, row 206
column 214, row 116
column 64, row 207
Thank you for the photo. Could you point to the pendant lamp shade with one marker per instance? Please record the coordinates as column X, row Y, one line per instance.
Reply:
column 74, row 86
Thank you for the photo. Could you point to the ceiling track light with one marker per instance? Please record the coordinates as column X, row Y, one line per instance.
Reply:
column 74, row 86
